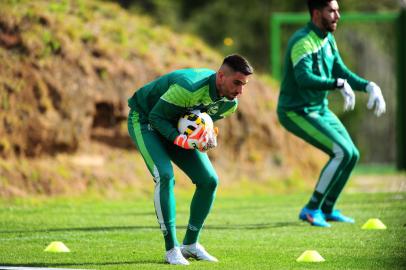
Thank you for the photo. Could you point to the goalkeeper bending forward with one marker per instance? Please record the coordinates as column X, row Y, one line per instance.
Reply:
column 313, row 67
column 154, row 112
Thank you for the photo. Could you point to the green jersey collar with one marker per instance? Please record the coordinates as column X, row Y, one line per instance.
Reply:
column 317, row 30
column 214, row 95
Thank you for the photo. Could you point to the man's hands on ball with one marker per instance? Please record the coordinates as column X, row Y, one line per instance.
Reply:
column 202, row 139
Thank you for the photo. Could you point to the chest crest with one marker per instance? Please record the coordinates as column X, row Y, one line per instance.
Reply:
column 213, row 109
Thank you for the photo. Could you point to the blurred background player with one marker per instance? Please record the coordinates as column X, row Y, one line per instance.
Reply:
column 313, row 67
column 155, row 110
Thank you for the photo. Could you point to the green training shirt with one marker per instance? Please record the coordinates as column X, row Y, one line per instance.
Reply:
column 312, row 66
column 162, row 101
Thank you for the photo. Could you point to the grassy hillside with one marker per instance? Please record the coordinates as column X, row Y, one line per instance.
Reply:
column 60, row 58
column 67, row 70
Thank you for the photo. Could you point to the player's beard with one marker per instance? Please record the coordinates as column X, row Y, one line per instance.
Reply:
column 328, row 25
column 224, row 92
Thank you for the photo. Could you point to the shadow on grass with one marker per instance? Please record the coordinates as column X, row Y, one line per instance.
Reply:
column 259, row 226
column 85, row 264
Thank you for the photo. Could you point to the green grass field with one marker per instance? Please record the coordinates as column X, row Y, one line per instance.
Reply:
column 244, row 232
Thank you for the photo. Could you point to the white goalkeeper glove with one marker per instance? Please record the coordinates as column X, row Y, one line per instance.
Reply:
column 375, row 98
column 347, row 93
column 211, row 139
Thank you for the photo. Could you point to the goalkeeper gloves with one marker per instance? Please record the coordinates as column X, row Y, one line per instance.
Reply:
column 211, row 139
column 375, row 98
column 347, row 93
column 201, row 139
column 196, row 140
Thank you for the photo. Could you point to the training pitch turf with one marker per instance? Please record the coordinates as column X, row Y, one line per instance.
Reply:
column 260, row 232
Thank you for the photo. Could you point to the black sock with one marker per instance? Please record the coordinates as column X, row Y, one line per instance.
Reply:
column 328, row 205
column 315, row 201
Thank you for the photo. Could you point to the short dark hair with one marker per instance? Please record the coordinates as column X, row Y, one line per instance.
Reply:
column 316, row 4
column 238, row 63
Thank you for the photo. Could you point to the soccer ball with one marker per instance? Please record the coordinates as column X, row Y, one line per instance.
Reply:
column 192, row 120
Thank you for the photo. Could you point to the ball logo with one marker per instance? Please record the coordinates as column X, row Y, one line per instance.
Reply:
column 213, row 110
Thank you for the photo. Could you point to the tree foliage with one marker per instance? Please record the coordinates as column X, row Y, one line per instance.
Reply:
column 245, row 22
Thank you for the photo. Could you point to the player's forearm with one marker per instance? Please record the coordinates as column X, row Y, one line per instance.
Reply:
column 163, row 118
column 164, row 127
column 340, row 70
column 356, row 82
column 308, row 80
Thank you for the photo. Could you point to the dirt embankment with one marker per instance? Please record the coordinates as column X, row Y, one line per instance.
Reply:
column 65, row 77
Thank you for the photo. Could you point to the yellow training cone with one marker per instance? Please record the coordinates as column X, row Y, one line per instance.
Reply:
column 310, row 256
column 374, row 224
column 57, row 247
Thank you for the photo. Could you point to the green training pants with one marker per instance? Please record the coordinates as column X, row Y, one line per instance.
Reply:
column 325, row 131
column 158, row 153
